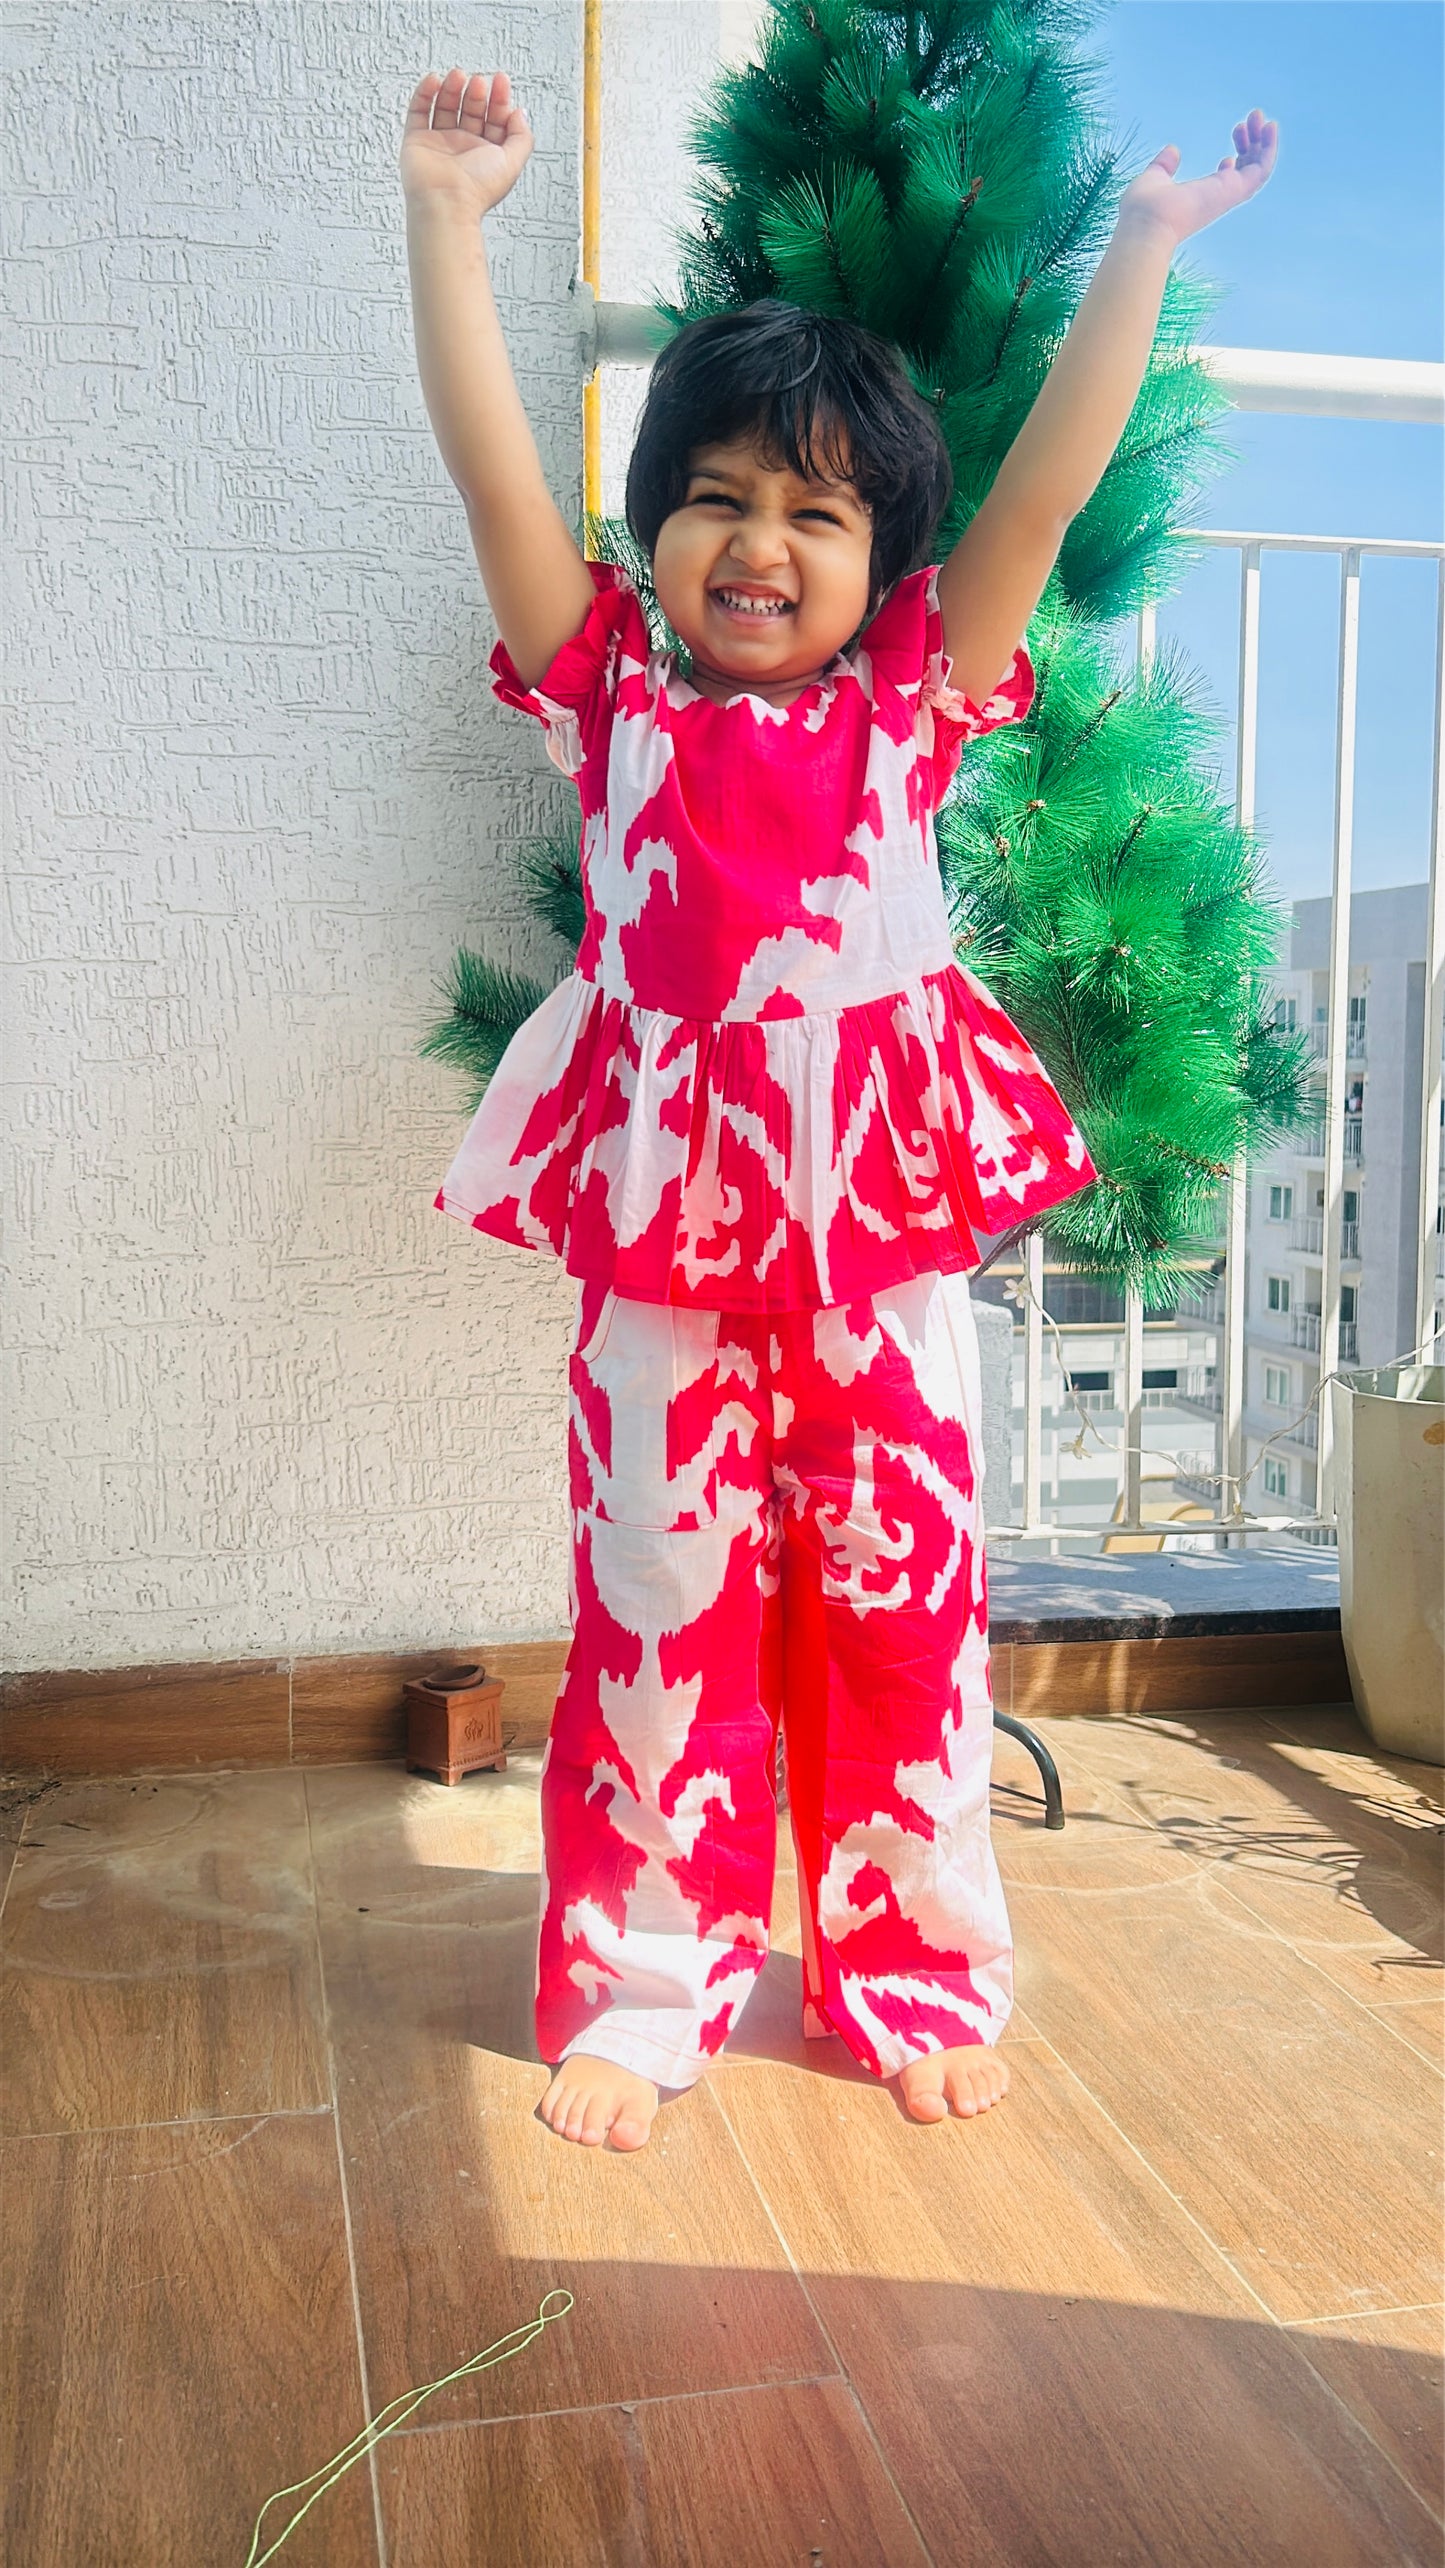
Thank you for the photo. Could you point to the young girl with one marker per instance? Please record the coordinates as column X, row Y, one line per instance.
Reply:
column 764, row 1122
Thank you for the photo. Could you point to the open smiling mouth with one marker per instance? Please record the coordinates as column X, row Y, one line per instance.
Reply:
column 741, row 607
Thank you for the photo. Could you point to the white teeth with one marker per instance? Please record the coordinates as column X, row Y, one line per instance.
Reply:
column 751, row 605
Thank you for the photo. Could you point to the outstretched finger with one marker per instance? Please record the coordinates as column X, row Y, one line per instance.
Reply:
column 419, row 106
column 499, row 108
column 449, row 98
column 472, row 113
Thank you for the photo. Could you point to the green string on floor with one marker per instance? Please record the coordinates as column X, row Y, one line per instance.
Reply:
column 502, row 2351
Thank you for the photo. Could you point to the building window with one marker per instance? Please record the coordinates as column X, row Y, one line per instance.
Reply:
column 1276, row 1292
column 1276, row 1386
column 1285, row 1015
column 1091, row 1381
column 1276, row 1476
column 1158, row 1377
column 1348, row 1312
column 1281, row 1203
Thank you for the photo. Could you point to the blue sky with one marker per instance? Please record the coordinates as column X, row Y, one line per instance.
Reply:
column 1343, row 252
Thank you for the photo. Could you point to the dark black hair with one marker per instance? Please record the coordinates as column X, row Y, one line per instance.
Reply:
column 811, row 392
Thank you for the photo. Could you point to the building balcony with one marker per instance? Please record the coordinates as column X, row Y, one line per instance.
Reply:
column 1197, row 1476
column 1304, row 1330
column 1356, row 1042
column 1307, row 1238
column 1308, row 1139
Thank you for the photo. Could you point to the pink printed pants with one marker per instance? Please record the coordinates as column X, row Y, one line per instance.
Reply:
column 774, row 1517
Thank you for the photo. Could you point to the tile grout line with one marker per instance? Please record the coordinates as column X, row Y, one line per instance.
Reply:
column 186, row 2122
column 1327, row 2385
column 366, row 2399
column 606, row 2407
column 1284, row 2327
column 1334, row 2318
column 717, row 2105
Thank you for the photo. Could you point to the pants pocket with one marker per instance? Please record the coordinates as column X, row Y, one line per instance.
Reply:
column 644, row 1411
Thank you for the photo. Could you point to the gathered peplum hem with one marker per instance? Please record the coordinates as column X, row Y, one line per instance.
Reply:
column 783, row 1164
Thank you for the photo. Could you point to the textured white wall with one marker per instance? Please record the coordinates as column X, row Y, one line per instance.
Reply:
column 262, row 1398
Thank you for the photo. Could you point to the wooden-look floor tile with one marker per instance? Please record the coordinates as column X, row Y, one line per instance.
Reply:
column 1338, row 1727
column 1103, row 1844
column 1389, row 2371
column 1421, row 2024
column 680, row 2281
column 160, row 1956
column 182, row 2305
column 1055, row 2364
column 1296, row 2129
column 747, row 2479
column 1336, row 1855
column 154, row 1720
column 1109, row 1679
column 345, row 1709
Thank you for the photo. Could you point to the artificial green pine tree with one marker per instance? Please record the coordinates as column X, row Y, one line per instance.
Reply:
column 935, row 172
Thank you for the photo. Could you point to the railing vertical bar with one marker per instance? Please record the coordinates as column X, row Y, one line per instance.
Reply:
column 1033, row 1379
column 1133, row 1403
column 1231, row 1415
column 1146, row 644
column 1428, row 1284
column 1337, row 1006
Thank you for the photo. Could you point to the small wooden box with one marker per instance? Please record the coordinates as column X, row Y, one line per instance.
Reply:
column 454, row 1723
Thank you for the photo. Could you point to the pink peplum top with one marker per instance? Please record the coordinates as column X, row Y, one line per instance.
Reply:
column 768, row 1084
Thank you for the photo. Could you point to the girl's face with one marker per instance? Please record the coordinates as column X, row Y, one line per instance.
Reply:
column 762, row 575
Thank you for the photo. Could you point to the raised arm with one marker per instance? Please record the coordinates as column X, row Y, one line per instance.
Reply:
column 997, row 571
column 464, row 146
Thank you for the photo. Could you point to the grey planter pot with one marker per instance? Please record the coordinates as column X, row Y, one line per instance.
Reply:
column 1389, row 1440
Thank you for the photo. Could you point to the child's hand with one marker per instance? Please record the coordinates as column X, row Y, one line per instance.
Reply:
column 466, row 135
column 1155, row 199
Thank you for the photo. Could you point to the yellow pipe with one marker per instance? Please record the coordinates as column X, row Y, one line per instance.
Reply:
column 592, row 243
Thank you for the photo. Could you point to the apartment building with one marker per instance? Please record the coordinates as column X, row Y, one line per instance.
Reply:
column 1082, row 1430
column 1284, row 1270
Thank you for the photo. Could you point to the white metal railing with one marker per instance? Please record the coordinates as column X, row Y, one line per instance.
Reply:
column 1307, row 1238
column 1356, row 1041
column 1300, row 384
column 1306, row 1329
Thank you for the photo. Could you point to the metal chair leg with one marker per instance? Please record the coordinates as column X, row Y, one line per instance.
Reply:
column 1053, row 1795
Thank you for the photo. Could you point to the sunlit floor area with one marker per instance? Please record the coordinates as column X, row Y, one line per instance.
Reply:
column 271, row 2159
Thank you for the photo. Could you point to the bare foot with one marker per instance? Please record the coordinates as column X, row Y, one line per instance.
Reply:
column 595, row 2100
column 965, row 2081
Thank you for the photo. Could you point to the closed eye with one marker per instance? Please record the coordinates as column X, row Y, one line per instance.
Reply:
column 725, row 499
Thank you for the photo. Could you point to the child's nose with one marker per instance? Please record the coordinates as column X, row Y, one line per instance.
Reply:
column 758, row 550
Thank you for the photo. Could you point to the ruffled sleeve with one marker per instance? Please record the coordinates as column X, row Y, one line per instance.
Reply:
column 904, row 641
column 577, row 694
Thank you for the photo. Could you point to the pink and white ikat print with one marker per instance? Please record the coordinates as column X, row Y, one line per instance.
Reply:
column 775, row 1517
column 767, row 1085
